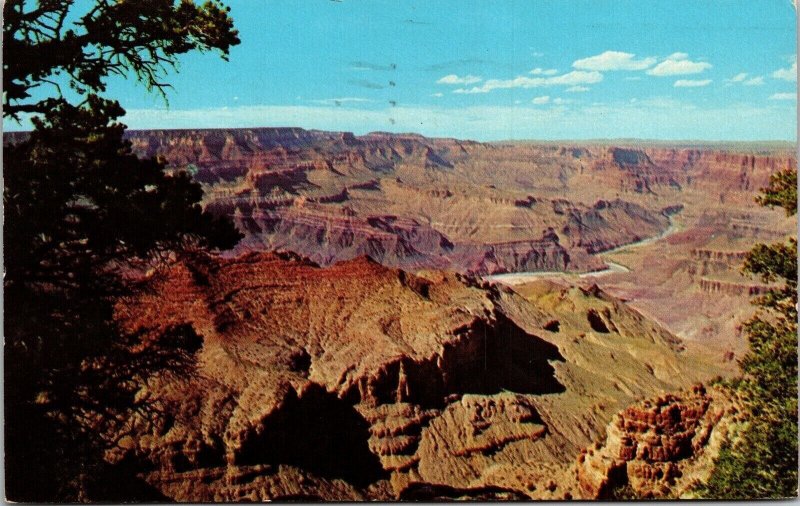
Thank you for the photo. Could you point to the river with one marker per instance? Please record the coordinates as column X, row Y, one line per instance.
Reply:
column 517, row 278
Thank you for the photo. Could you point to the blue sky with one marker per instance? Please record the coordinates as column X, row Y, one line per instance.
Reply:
column 505, row 69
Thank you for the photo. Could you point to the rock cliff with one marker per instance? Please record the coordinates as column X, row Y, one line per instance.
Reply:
column 348, row 350
column 455, row 204
column 415, row 202
column 359, row 381
column 658, row 448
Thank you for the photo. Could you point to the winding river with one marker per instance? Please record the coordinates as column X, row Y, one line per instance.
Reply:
column 517, row 278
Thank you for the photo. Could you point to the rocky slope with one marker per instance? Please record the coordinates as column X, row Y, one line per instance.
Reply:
column 358, row 380
column 361, row 381
column 658, row 448
column 691, row 281
column 414, row 202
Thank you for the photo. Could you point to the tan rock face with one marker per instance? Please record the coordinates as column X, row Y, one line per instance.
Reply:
column 657, row 447
column 460, row 444
column 414, row 202
column 360, row 381
column 483, row 208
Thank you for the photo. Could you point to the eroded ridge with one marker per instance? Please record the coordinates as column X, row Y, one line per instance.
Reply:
column 362, row 381
column 658, row 448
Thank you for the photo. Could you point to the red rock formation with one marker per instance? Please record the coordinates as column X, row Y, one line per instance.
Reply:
column 251, row 170
column 359, row 381
column 731, row 288
column 653, row 444
column 365, row 382
column 730, row 257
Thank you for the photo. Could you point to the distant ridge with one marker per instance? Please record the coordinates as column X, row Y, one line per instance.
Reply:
column 755, row 145
column 678, row 143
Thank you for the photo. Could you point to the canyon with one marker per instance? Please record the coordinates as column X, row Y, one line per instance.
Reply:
column 484, row 209
column 404, row 200
column 360, row 381
column 428, row 319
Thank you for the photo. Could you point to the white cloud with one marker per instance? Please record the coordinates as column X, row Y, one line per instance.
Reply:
column 437, row 94
column 678, row 64
column 742, row 78
column 754, row 81
column 577, row 89
column 691, row 83
column 454, row 79
column 783, row 96
column 560, row 101
column 789, row 74
column 678, row 56
column 576, row 77
column 572, row 78
column 614, row 60
column 541, row 100
column 544, row 72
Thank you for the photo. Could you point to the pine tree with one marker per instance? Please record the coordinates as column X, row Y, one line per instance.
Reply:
column 762, row 462
column 83, row 213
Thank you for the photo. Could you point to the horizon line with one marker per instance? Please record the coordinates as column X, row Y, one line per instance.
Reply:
column 598, row 140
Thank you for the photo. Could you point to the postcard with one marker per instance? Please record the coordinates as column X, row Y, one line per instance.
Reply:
column 332, row 250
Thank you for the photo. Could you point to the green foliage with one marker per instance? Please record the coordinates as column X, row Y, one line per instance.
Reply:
column 77, row 199
column 78, row 44
column 773, row 262
column 83, row 214
column 782, row 191
column 762, row 462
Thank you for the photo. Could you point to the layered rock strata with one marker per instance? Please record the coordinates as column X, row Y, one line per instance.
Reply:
column 359, row 381
column 658, row 448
